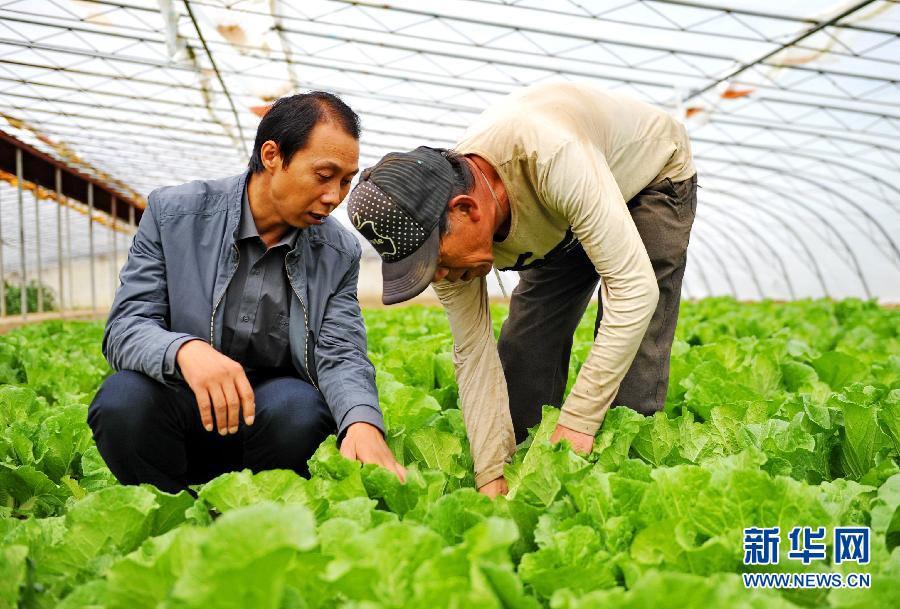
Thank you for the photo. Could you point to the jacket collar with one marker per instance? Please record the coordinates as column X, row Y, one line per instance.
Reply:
column 235, row 200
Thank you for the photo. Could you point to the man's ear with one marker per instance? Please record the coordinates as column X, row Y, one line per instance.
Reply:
column 270, row 155
column 464, row 207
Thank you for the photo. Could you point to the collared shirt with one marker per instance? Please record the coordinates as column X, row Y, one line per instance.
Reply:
column 258, row 300
column 257, row 303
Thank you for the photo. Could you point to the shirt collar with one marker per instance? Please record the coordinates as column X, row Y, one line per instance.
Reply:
column 247, row 227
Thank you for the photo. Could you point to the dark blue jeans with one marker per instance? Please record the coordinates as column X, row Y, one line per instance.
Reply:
column 150, row 432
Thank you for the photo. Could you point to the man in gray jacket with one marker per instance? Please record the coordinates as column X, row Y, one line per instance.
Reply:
column 236, row 332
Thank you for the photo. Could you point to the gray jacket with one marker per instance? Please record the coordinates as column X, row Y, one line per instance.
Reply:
column 180, row 263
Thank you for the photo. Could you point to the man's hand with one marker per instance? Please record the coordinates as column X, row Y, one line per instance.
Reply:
column 582, row 443
column 495, row 487
column 219, row 384
column 364, row 443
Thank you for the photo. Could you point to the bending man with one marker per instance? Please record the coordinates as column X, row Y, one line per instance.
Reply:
column 567, row 184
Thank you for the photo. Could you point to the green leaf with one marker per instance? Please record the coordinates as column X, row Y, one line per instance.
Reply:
column 656, row 439
column 29, row 491
column 12, row 573
column 245, row 556
column 861, row 436
column 839, row 369
column 405, row 407
column 454, row 514
column 886, row 514
column 667, row 590
column 144, row 578
column 61, row 440
column 334, row 477
column 241, row 489
column 437, row 449
column 798, row 376
column 398, row 497
column 573, row 559
column 889, row 419
column 620, row 427
column 379, row 565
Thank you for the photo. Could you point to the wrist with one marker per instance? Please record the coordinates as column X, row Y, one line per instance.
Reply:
column 566, row 428
column 185, row 351
column 493, row 481
column 361, row 428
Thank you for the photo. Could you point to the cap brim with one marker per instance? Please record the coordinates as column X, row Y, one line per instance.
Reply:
column 407, row 278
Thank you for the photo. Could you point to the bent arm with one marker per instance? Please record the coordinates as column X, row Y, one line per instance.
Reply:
column 345, row 372
column 137, row 335
column 482, row 386
column 578, row 184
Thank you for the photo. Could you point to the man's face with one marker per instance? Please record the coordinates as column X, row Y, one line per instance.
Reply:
column 318, row 177
column 467, row 250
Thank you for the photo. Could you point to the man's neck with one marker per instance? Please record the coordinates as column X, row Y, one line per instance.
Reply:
column 269, row 224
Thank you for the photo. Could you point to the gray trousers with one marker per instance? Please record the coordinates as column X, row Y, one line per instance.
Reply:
column 549, row 302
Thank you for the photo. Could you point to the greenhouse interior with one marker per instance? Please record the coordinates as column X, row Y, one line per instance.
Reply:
column 782, row 409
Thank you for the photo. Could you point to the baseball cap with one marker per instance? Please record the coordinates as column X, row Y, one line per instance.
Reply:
column 397, row 206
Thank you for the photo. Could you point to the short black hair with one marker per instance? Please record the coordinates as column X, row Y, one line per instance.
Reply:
column 463, row 182
column 291, row 119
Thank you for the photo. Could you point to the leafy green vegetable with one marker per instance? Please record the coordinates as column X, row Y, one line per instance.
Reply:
column 777, row 414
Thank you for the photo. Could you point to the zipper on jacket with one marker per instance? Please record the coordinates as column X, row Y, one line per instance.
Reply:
column 212, row 319
column 305, row 328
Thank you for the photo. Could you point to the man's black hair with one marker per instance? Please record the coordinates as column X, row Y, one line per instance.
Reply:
column 463, row 182
column 290, row 120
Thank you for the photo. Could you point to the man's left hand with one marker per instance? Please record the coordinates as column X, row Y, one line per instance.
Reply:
column 582, row 443
column 364, row 443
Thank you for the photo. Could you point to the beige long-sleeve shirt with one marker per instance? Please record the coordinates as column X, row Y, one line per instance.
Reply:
column 570, row 156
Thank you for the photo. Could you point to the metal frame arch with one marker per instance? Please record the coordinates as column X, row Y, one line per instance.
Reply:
column 730, row 119
column 812, row 157
column 789, row 175
column 849, row 250
column 367, row 68
column 686, row 292
column 692, row 262
column 710, row 205
column 889, row 253
column 701, row 240
column 811, row 259
column 739, row 254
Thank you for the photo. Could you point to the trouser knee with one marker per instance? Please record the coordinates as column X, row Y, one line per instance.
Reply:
column 292, row 419
column 122, row 416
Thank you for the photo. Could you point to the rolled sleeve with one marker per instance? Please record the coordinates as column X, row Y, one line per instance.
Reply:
column 137, row 335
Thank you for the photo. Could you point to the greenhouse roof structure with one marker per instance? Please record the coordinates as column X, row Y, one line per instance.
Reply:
column 793, row 107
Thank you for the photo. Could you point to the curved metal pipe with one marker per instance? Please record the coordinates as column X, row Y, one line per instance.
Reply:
column 731, row 244
column 811, row 259
column 700, row 239
column 693, row 255
column 805, row 155
column 840, row 237
column 749, row 228
column 854, row 261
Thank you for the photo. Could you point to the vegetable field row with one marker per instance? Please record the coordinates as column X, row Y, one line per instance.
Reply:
column 777, row 415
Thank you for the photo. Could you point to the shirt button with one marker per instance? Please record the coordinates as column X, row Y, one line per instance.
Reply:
column 245, row 318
